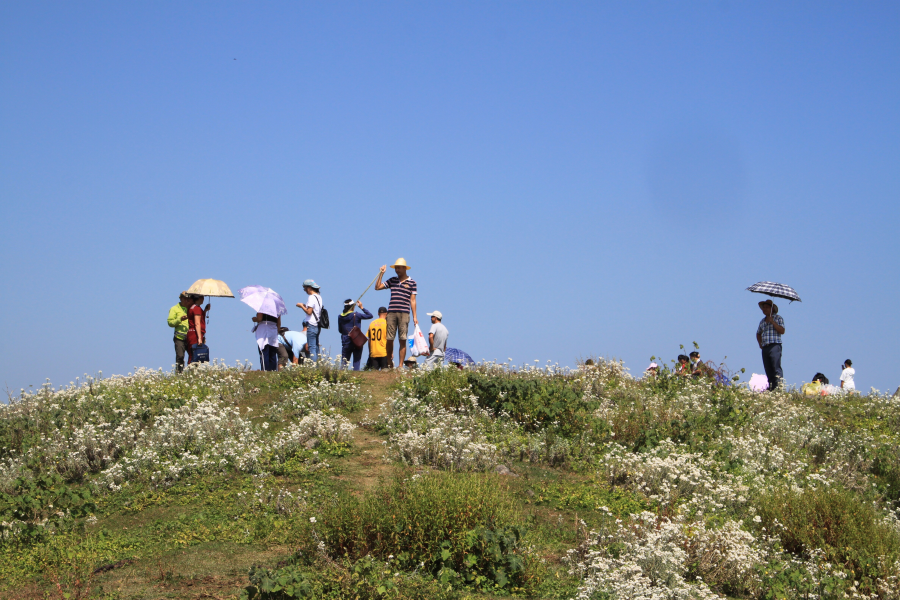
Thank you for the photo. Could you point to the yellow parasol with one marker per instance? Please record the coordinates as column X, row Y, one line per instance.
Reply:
column 210, row 287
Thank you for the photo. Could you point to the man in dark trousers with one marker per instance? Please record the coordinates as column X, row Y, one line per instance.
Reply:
column 178, row 319
column 768, row 336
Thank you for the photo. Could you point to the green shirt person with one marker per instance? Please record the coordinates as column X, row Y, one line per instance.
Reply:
column 178, row 320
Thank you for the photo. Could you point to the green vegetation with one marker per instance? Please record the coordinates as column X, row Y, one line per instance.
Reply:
column 492, row 481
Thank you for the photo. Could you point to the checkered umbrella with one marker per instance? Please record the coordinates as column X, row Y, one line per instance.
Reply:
column 452, row 355
column 776, row 290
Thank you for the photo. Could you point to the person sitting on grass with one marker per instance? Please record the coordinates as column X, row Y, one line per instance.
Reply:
column 697, row 365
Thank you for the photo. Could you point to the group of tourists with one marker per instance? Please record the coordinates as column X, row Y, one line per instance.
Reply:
column 768, row 337
column 279, row 346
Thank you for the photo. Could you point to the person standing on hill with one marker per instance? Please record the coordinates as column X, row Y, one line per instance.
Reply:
column 768, row 335
column 313, row 308
column 847, row 373
column 378, row 341
column 196, row 325
column 403, row 300
column 266, row 331
column 437, row 340
column 349, row 319
column 178, row 320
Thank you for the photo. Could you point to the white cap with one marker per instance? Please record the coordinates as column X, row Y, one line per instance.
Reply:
column 653, row 365
column 436, row 313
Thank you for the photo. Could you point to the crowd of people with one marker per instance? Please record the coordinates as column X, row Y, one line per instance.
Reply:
column 279, row 346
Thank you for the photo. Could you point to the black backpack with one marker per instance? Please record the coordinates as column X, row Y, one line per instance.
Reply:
column 324, row 322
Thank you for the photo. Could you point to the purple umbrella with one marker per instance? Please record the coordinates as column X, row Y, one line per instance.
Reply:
column 263, row 300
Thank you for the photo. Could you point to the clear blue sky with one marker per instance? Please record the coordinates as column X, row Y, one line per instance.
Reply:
column 566, row 179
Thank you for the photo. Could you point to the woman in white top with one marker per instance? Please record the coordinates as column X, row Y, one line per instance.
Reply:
column 847, row 376
column 313, row 308
column 267, row 340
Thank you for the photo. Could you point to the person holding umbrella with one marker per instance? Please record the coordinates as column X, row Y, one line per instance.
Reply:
column 196, row 325
column 269, row 308
column 267, row 340
column 768, row 336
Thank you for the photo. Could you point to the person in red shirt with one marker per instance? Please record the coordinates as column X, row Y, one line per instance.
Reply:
column 196, row 325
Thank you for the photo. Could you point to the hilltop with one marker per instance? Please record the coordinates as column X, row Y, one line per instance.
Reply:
column 493, row 481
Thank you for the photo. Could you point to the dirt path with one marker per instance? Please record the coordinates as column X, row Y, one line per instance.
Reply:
column 363, row 469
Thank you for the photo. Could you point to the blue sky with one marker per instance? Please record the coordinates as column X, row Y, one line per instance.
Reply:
column 566, row 179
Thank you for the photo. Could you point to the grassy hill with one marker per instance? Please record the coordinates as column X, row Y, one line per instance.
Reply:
column 319, row 483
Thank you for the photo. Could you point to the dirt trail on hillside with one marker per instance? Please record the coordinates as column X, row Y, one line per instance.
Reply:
column 367, row 465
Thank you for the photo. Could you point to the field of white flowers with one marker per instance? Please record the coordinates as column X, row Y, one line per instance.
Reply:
column 672, row 487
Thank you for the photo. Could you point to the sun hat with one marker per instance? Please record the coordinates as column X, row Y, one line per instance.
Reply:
column 311, row 283
column 653, row 365
column 401, row 262
column 774, row 306
column 437, row 314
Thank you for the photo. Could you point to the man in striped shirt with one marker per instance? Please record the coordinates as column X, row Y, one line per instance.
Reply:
column 403, row 299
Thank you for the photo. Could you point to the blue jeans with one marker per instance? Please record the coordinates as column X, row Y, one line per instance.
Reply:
column 348, row 349
column 771, row 355
column 268, row 358
column 312, row 338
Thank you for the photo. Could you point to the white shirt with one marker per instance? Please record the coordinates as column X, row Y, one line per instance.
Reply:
column 267, row 333
column 847, row 377
column 315, row 303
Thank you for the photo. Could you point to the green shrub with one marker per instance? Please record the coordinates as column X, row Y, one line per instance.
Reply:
column 886, row 467
column 366, row 579
column 848, row 529
column 581, row 496
column 537, row 400
column 38, row 507
column 297, row 376
column 453, row 525
column 537, row 403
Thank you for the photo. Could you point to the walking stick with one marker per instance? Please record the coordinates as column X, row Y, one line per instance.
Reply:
column 367, row 288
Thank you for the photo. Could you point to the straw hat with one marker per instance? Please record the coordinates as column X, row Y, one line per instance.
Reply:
column 401, row 262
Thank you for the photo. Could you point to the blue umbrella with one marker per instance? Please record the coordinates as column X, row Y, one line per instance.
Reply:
column 452, row 355
column 776, row 290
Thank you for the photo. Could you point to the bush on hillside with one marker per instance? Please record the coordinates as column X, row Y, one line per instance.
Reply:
column 845, row 527
column 455, row 526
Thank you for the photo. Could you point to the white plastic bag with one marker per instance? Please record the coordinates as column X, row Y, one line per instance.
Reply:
column 420, row 345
